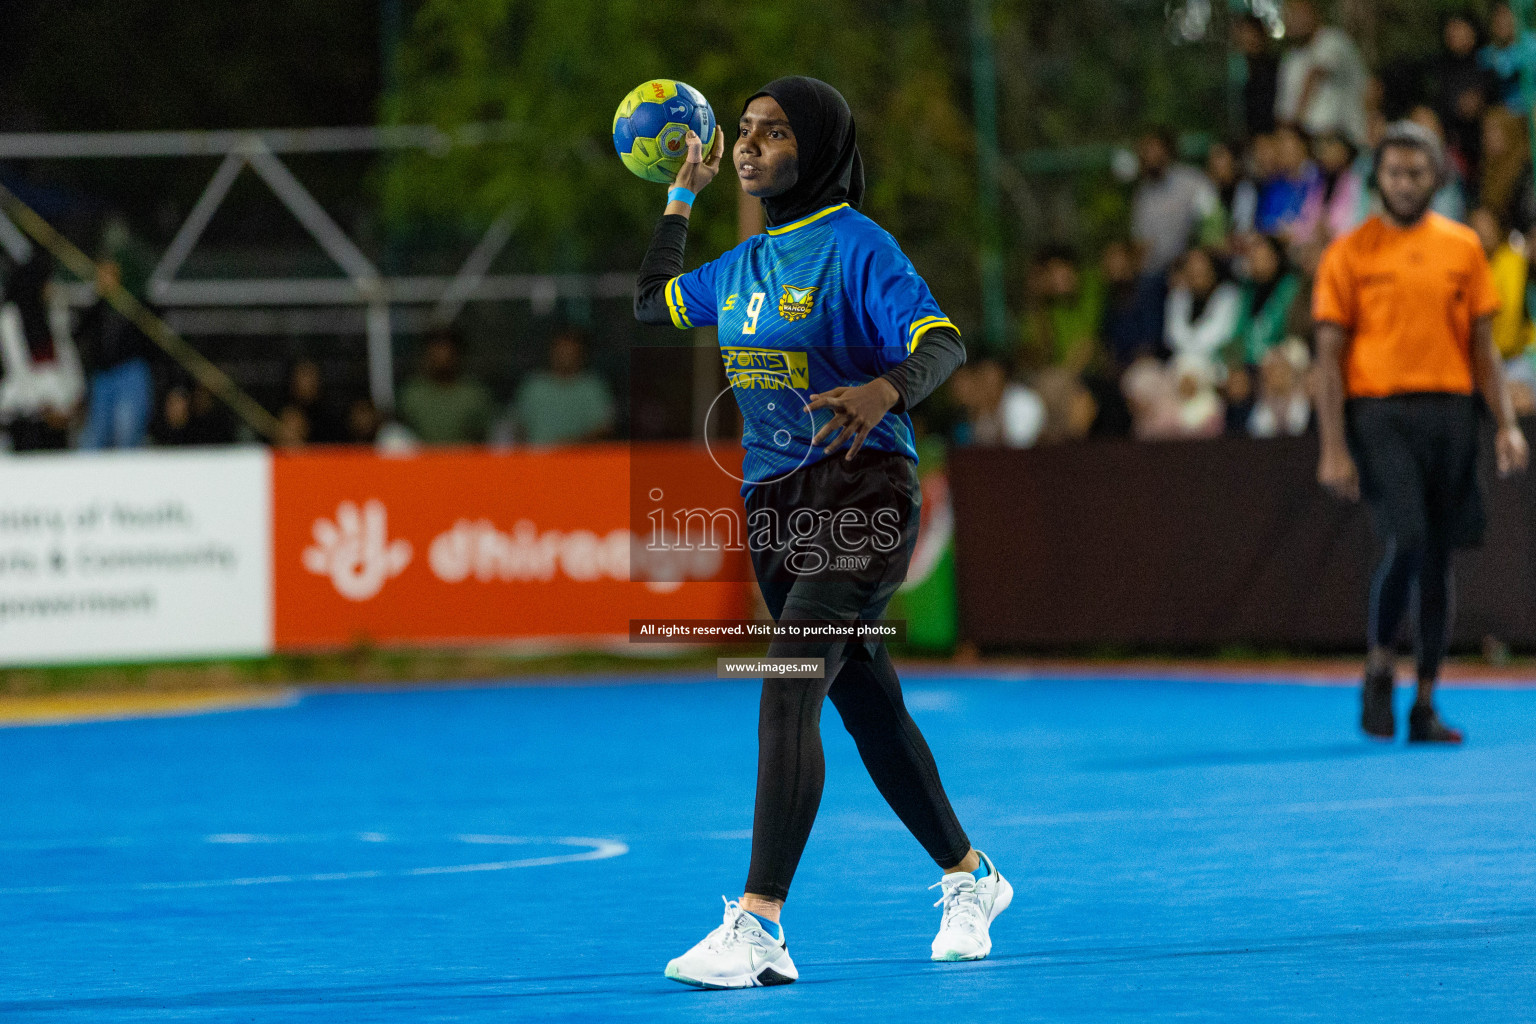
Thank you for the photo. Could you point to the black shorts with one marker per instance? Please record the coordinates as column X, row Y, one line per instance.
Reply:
column 833, row 539
column 1417, row 456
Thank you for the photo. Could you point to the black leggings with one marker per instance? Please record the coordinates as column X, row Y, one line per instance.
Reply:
column 791, row 769
column 859, row 676
column 1427, row 568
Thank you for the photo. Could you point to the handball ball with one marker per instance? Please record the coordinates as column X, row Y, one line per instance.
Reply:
column 650, row 128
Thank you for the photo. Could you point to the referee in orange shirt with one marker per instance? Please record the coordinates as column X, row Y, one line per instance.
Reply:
column 1404, row 307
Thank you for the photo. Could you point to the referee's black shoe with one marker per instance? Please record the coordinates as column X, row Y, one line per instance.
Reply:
column 1424, row 726
column 1376, row 718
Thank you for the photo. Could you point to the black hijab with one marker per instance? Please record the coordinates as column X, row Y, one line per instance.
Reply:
column 831, row 171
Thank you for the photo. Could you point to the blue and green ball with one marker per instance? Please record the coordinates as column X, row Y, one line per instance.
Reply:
column 650, row 128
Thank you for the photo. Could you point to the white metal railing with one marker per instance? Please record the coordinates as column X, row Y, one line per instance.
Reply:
column 244, row 305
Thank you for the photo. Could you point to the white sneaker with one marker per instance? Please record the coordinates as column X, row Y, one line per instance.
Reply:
column 970, row 905
column 738, row 954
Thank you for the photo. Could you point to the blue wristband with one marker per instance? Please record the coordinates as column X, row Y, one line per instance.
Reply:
column 678, row 194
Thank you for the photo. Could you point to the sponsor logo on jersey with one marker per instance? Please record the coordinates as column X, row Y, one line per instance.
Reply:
column 796, row 303
column 766, row 368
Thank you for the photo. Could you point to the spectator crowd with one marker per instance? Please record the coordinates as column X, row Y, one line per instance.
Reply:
column 92, row 380
column 1197, row 323
column 1194, row 323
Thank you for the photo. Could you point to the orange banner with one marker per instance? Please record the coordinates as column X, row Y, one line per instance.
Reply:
column 468, row 545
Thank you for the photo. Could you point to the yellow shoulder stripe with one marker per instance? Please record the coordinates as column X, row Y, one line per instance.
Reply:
column 925, row 320
column 925, row 325
column 674, row 295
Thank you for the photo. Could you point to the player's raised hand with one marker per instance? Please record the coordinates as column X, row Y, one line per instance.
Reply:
column 857, row 410
column 1511, row 451
column 699, row 170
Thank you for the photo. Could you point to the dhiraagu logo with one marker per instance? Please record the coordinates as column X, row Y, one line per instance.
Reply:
column 766, row 368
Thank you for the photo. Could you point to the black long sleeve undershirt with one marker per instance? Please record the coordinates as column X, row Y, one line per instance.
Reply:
column 937, row 356
column 663, row 261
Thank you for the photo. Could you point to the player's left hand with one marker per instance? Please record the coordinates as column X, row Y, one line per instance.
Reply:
column 857, row 411
column 1510, row 450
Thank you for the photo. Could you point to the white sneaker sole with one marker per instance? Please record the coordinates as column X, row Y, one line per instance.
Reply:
column 779, row 973
column 1004, row 897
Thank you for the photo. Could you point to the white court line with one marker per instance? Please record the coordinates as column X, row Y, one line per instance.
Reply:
column 242, row 838
column 233, row 838
column 1181, row 813
column 485, row 840
column 1240, row 810
column 602, row 849
column 263, row 839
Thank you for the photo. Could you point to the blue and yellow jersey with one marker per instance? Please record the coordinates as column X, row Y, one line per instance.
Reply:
column 824, row 302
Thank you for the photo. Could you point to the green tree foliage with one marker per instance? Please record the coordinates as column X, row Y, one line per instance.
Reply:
column 1407, row 30
column 1076, row 71
column 558, row 71
column 1071, row 74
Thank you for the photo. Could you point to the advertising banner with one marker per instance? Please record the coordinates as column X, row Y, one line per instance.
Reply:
column 1200, row 544
column 927, row 598
column 477, row 546
column 135, row 555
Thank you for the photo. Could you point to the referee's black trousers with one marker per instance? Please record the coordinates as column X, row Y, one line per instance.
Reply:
column 1402, row 571
column 859, row 678
column 1417, row 455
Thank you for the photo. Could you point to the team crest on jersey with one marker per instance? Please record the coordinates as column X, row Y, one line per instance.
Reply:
column 796, row 302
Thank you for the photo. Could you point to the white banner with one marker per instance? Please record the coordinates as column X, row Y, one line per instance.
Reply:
column 135, row 555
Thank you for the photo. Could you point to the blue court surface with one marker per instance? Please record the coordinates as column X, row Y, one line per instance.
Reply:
column 1181, row 850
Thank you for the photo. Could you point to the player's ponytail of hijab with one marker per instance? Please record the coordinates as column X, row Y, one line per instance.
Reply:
column 831, row 170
